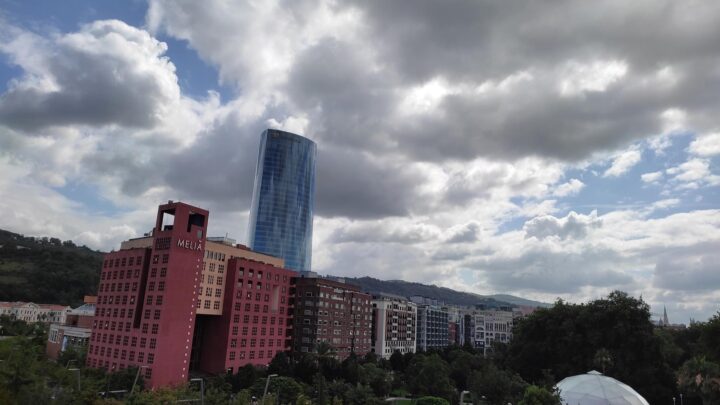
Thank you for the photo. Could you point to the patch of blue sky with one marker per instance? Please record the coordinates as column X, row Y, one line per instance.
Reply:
column 89, row 197
column 195, row 76
column 628, row 191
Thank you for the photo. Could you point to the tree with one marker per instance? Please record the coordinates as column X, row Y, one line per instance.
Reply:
column 429, row 375
column 603, row 359
column 701, row 377
column 567, row 337
column 280, row 365
column 535, row 395
column 497, row 386
column 285, row 388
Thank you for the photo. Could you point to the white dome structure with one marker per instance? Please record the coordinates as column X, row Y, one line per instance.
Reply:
column 594, row 388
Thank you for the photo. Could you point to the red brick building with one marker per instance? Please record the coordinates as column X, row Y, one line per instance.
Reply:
column 149, row 311
column 256, row 322
column 334, row 312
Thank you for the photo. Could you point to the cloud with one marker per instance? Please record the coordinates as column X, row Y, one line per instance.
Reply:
column 572, row 187
column 571, row 226
column 651, row 177
column 466, row 234
column 623, row 162
column 706, row 145
column 106, row 73
column 689, row 273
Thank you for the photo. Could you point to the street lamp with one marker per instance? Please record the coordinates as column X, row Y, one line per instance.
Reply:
column 77, row 370
column 462, row 397
column 202, row 389
column 267, row 382
column 137, row 376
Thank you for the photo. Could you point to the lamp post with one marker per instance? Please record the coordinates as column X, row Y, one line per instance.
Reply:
column 76, row 370
column 267, row 383
column 137, row 376
column 202, row 389
column 681, row 399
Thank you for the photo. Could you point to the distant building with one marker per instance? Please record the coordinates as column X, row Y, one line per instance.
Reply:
column 432, row 327
column 394, row 325
column 173, row 302
column 32, row 313
column 74, row 332
column 456, row 326
column 482, row 327
column 281, row 215
column 334, row 312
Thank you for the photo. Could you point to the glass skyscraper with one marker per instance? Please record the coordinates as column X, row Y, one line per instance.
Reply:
column 281, row 215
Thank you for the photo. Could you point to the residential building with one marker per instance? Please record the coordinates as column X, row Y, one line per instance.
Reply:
column 32, row 313
column 281, row 214
column 332, row 311
column 165, row 303
column 432, row 327
column 394, row 325
column 74, row 332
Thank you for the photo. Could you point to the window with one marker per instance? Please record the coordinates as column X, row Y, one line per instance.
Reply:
column 216, row 305
column 153, row 343
column 159, row 300
column 206, row 305
column 163, row 272
column 156, row 315
column 161, row 286
column 155, row 328
column 151, row 358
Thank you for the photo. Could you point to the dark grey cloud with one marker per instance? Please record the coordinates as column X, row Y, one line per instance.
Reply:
column 356, row 185
column 348, row 101
column 107, row 73
column 538, row 269
column 688, row 273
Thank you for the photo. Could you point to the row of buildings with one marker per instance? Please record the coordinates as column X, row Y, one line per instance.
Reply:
column 31, row 312
column 176, row 301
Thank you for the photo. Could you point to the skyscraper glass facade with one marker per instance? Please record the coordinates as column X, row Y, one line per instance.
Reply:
column 281, row 215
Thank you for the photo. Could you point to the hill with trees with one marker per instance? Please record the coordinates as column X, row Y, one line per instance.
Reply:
column 46, row 270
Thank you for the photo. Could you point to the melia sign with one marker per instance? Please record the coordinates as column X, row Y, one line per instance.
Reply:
column 188, row 244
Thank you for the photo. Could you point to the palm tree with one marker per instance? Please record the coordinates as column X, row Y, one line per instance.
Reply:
column 702, row 377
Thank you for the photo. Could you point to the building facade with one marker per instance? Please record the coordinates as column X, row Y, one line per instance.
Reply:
column 32, row 313
column 256, row 322
column 333, row 312
column 281, row 215
column 487, row 326
column 74, row 332
column 432, row 327
column 394, row 325
column 174, row 301
column 147, row 298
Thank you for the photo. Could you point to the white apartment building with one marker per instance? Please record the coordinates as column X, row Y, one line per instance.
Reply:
column 394, row 325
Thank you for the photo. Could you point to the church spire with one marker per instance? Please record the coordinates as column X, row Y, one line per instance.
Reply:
column 665, row 318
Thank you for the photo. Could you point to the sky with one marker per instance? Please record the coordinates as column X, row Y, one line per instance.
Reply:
column 548, row 150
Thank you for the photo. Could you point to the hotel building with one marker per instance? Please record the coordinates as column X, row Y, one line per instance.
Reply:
column 163, row 298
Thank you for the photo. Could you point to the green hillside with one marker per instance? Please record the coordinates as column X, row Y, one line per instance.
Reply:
column 46, row 270
column 443, row 294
